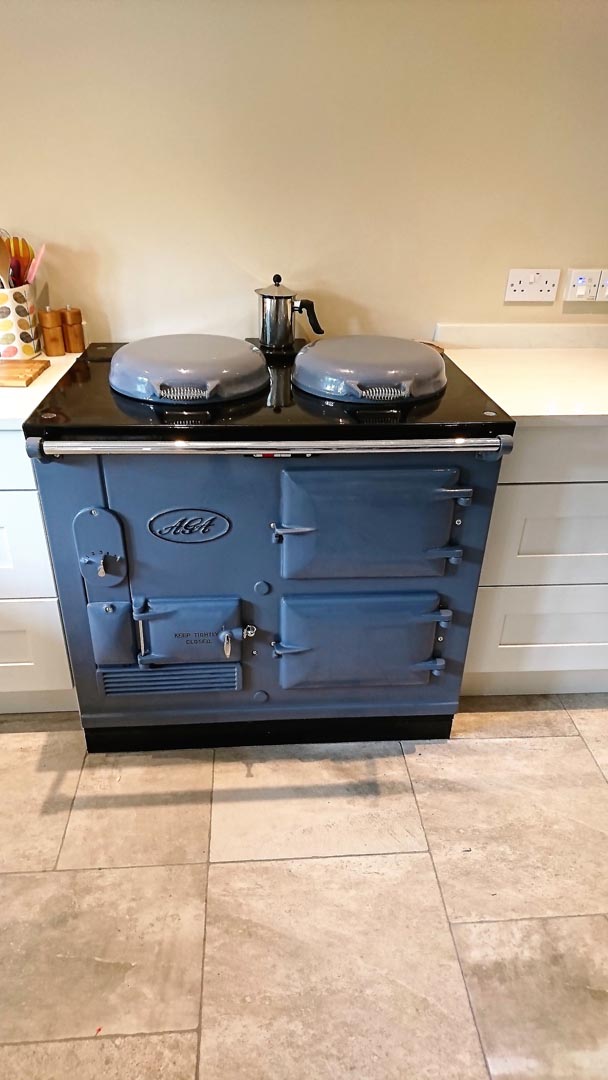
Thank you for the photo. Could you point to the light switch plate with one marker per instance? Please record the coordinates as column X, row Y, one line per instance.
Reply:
column 602, row 292
column 582, row 285
column 532, row 286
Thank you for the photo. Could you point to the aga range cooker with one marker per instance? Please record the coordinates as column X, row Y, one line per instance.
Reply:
column 253, row 549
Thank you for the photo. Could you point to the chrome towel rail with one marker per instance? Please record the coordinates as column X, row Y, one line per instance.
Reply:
column 493, row 447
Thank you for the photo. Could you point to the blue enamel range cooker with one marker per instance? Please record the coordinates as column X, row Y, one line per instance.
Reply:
column 250, row 550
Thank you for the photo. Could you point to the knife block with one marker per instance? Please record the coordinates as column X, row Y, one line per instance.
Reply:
column 19, row 329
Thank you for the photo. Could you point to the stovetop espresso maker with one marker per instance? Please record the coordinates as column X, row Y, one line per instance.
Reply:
column 278, row 307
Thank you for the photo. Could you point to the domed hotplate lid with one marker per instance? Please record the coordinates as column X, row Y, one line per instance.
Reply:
column 370, row 369
column 186, row 369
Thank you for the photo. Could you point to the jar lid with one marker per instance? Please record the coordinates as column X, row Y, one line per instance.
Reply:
column 276, row 289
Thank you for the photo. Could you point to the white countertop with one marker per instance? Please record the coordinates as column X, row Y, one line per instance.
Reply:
column 16, row 402
column 541, row 386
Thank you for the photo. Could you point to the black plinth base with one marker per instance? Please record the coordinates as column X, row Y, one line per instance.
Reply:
column 259, row 733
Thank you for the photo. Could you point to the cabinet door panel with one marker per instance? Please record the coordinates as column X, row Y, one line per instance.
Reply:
column 32, row 648
column 546, row 534
column 556, row 454
column 16, row 472
column 531, row 628
column 25, row 564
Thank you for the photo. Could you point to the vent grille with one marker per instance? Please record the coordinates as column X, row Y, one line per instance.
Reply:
column 183, row 393
column 382, row 393
column 172, row 679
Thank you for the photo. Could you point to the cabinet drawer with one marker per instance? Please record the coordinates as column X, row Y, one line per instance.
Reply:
column 553, row 455
column 25, row 564
column 16, row 470
column 531, row 628
column 32, row 649
column 548, row 534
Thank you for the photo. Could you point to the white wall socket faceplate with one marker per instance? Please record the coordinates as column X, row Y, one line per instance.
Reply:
column 602, row 292
column 532, row 286
column 582, row 285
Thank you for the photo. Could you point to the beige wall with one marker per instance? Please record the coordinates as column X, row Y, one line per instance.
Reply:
column 391, row 158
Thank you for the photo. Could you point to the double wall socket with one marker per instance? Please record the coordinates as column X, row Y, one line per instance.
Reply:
column 532, row 286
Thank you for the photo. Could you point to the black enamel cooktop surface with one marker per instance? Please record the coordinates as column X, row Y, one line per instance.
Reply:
column 83, row 406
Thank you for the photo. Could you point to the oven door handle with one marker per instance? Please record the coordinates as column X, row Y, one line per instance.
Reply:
column 453, row 554
column 279, row 531
column 463, row 496
column 435, row 665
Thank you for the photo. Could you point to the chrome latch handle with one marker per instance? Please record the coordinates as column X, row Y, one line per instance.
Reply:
column 225, row 637
column 238, row 633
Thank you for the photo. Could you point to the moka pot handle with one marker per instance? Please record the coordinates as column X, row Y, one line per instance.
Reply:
column 309, row 307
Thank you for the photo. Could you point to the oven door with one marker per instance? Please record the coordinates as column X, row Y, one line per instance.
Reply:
column 368, row 522
column 370, row 639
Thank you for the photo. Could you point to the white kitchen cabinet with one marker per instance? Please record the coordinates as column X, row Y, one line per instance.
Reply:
column 557, row 455
column 32, row 647
column 548, row 534
column 541, row 616
column 25, row 567
column 16, row 472
column 35, row 672
column 540, row 628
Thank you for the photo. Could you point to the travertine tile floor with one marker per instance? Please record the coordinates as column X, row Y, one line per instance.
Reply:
column 423, row 911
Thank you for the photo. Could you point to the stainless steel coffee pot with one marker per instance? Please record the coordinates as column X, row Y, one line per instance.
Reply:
column 278, row 308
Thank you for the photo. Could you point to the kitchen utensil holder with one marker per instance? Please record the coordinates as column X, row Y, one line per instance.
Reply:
column 19, row 330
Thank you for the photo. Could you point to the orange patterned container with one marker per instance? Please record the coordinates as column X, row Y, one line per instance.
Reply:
column 19, row 329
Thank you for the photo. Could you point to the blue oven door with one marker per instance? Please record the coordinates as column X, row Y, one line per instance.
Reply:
column 368, row 522
column 369, row 639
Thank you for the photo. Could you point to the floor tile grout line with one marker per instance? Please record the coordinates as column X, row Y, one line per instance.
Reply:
column 208, row 862
column 581, row 736
column 200, row 1004
column 447, row 919
column 72, row 801
column 317, row 858
column 99, row 1038
column 504, row 738
column 531, row 918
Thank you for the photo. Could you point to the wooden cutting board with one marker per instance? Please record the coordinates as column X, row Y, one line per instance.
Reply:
column 21, row 372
